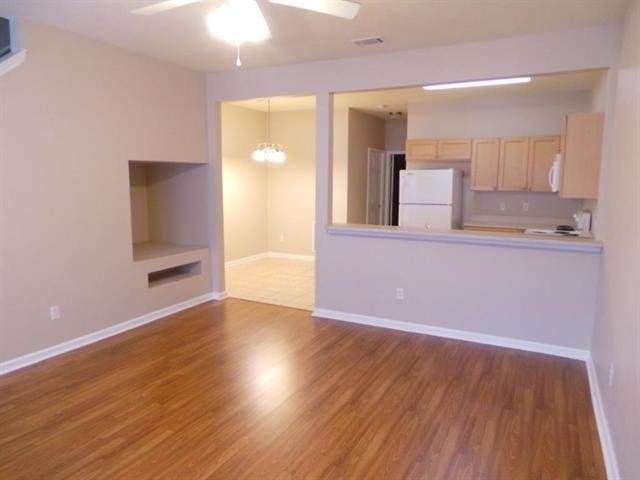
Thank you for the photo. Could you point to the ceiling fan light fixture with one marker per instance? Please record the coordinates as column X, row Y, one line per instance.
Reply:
column 237, row 22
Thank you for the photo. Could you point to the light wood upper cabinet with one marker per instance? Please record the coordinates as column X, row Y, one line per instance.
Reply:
column 513, row 169
column 485, row 160
column 542, row 152
column 439, row 150
column 422, row 150
column 581, row 155
column 454, row 149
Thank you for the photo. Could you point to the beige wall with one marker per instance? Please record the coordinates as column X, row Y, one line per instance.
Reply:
column 365, row 131
column 267, row 208
column 617, row 332
column 71, row 117
column 291, row 186
column 395, row 131
column 244, row 183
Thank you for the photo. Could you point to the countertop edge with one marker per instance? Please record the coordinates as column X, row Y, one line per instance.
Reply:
column 475, row 238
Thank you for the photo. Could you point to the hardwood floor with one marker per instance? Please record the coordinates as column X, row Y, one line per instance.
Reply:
column 239, row 389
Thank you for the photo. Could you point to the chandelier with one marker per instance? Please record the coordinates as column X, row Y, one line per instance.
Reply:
column 268, row 151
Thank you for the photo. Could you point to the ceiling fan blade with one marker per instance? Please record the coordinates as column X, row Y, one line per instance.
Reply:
column 337, row 8
column 162, row 6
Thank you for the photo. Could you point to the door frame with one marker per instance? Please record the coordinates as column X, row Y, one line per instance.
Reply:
column 383, row 188
column 389, row 184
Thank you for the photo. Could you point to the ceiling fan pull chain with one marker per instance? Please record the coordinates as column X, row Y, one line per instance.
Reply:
column 238, row 62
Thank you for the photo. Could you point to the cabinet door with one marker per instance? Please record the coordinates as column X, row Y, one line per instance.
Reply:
column 484, row 164
column 454, row 149
column 514, row 154
column 422, row 149
column 581, row 155
column 542, row 152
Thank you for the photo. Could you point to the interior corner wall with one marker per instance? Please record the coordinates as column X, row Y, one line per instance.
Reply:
column 244, row 183
column 71, row 117
column 365, row 131
column 139, row 203
column 616, row 341
column 291, row 186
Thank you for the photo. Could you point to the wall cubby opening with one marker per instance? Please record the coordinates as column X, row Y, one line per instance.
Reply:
column 168, row 208
column 173, row 274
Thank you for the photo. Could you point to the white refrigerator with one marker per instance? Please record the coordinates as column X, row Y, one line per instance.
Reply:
column 430, row 199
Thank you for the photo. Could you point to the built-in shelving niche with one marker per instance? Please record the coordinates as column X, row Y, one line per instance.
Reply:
column 173, row 274
column 168, row 208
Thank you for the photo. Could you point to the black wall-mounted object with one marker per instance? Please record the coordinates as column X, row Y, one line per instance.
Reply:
column 5, row 37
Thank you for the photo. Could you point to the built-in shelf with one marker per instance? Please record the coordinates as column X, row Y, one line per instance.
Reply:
column 174, row 274
column 168, row 208
column 151, row 251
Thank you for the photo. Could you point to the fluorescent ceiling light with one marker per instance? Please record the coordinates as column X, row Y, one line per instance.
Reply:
column 478, row 83
column 237, row 22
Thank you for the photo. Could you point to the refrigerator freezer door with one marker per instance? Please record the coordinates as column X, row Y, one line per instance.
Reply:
column 431, row 187
column 438, row 217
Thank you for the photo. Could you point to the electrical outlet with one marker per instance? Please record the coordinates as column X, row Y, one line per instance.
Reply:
column 503, row 206
column 399, row 293
column 525, row 206
column 281, row 237
column 54, row 312
column 611, row 373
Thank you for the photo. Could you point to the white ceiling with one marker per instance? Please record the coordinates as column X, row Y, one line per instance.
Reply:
column 180, row 35
column 381, row 102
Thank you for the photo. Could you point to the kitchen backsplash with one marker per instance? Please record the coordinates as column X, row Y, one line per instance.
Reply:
column 508, row 207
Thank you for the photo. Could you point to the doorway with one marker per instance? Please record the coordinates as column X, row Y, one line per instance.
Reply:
column 269, row 206
column 383, row 186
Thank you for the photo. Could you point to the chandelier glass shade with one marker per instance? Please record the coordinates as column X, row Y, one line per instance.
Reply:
column 269, row 152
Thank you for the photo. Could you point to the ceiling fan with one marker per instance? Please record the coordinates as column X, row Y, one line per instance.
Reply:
column 240, row 21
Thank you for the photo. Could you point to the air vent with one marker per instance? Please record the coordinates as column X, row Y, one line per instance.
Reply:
column 362, row 42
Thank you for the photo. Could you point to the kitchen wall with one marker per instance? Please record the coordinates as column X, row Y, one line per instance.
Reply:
column 267, row 208
column 500, row 115
column 395, row 138
column 365, row 131
column 291, row 186
column 71, row 117
column 616, row 343
column 244, row 183
column 395, row 134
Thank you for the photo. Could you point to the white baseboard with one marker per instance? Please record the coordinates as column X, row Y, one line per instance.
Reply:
column 291, row 256
column 610, row 462
column 495, row 340
column 243, row 260
column 40, row 355
column 219, row 295
column 263, row 255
